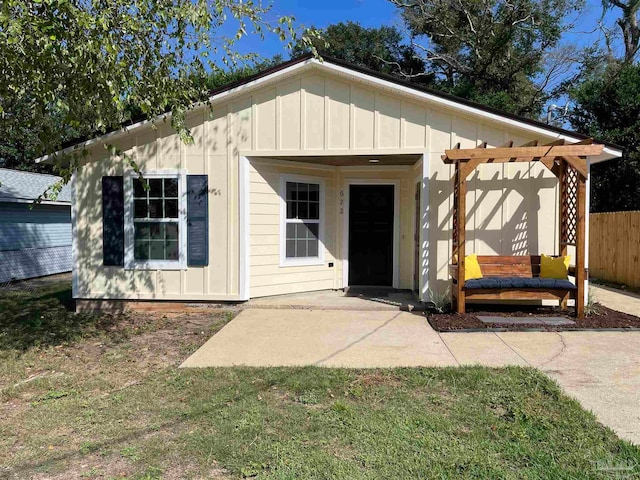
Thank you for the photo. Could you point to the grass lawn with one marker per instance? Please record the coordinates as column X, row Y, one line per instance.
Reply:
column 102, row 397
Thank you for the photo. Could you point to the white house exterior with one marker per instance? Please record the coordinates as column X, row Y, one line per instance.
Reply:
column 312, row 175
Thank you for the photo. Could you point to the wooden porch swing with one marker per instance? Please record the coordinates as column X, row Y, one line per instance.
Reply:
column 568, row 164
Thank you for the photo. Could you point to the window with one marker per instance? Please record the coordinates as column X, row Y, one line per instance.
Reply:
column 155, row 223
column 302, row 221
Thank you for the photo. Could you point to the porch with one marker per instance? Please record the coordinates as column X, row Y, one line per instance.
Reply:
column 333, row 222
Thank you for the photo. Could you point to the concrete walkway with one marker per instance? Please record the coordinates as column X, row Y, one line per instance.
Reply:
column 329, row 338
column 600, row 369
column 616, row 299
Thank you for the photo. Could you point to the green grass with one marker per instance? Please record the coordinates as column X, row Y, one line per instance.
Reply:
column 117, row 406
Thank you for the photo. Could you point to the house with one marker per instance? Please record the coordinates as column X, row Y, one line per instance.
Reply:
column 35, row 240
column 310, row 175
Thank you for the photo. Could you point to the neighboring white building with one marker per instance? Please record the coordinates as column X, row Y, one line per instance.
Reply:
column 35, row 240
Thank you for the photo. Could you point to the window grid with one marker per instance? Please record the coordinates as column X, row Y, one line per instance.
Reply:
column 302, row 221
column 156, row 219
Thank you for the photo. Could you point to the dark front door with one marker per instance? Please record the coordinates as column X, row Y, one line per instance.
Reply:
column 371, row 235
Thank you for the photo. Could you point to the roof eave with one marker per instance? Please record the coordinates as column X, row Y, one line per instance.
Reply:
column 32, row 200
column 224, row 93
column 345, row 69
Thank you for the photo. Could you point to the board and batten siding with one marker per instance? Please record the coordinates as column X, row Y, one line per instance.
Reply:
column 34, row 241
column 316, row 113
column 267, row 277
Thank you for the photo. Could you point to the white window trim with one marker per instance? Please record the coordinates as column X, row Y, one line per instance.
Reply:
column 296, row 262
column 130, row 263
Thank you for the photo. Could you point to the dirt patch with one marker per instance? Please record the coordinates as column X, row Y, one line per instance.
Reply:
column 86, row 376
column 603, row 318
column 116, row 466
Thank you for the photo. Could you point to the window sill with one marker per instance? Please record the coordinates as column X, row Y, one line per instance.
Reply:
column 157, row 265
column 302, row 262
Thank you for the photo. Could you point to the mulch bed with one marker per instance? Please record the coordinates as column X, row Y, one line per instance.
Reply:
column 604, row 319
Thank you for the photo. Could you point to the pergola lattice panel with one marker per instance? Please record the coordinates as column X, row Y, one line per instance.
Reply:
column 569, row 214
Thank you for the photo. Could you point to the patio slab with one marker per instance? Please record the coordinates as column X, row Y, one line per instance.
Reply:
column 332, row 338
column 620, row 300
column 354, row 299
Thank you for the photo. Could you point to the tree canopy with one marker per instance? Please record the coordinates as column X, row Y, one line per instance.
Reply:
column 76, row 67
column 607, row 106
column 85, row 66
column 382, row 49
column 491, row 51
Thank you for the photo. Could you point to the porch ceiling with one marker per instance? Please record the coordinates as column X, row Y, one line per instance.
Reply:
column 357, row 160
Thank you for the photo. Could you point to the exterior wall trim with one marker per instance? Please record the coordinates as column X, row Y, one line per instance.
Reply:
column 396, row 226
column 74, row 238
column 245, row 229
column 424, row 231
column 266, row 160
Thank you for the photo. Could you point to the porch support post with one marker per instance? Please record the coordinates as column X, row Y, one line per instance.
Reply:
column 461, row 234
column 580, row 245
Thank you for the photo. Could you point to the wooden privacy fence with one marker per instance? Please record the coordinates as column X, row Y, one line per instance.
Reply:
column 614, row 247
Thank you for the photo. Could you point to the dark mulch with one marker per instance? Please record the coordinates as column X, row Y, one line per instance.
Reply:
column 603, row 318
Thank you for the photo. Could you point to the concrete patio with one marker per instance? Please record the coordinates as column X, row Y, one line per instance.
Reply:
column 619, row 300
column 329, row 338
column 600, row 369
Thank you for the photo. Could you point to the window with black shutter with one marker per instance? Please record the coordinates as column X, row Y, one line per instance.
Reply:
column 156, row 221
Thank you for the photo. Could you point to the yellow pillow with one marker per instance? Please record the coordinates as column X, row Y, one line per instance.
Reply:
column 472, row 267
column 551, row 267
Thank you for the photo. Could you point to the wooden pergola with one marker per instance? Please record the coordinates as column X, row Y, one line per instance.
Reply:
column 566, row 161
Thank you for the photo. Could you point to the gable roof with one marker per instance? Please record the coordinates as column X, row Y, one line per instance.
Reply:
column 24, row 187
column 343, row 68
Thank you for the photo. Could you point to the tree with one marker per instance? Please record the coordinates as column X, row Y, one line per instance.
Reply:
column 491, row 51
column 607, row 106
column 380, row 49
column 628, row 23
column 87, row 65
column 19, row 134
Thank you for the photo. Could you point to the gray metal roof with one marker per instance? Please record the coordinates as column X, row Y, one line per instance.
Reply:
column 18, row 186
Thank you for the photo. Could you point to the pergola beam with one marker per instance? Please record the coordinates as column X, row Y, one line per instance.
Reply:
column 504, row 154
column 580, row 164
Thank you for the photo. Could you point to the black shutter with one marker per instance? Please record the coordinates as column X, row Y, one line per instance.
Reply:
column 197, row 220
column 113, row 221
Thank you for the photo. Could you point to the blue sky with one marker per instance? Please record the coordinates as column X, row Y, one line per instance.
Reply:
column 320, row 14
column 373, row 13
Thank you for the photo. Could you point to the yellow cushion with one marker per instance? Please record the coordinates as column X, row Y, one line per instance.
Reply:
column 472, row 267
column 551, row 267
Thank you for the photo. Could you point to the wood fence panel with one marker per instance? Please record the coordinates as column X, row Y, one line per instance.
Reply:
column 614, row 247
